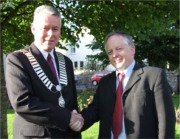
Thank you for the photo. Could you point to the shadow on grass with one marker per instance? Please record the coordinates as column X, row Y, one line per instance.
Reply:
column 10, row 111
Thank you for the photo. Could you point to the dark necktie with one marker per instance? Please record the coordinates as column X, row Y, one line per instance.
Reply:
column 118, row 109
column 51, row 65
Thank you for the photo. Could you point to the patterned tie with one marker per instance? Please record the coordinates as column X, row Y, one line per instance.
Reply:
column 118, row 109
column 51, row 65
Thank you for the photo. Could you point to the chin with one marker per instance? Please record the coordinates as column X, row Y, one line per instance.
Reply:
column 119, row 67
column 49, row 47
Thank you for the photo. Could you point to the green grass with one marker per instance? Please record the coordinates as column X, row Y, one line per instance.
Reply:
column 10, row 118
column 176, row 101
column 92, row 132
column 177, row 131
column 177, row 105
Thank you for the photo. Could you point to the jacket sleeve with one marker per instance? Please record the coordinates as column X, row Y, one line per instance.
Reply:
column 164, row 106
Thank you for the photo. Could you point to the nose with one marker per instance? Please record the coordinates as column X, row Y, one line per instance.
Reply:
column 114, row 53
column 50, row 32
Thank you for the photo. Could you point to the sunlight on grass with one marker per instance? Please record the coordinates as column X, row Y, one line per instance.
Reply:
column 92, row 132
column 10, row 118
column 177, row 131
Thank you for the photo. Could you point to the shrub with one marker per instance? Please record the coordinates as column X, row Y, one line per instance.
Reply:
column 85, row 97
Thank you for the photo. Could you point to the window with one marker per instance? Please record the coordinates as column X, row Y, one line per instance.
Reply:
column 73, row 49
column 81, row 64
column 75, row 64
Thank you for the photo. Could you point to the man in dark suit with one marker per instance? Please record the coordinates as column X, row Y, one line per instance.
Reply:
column 42, row 95
column 148, row 110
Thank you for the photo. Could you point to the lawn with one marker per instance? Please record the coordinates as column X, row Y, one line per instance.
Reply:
column 92, row 132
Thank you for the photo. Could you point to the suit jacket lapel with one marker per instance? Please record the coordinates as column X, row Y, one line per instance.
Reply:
column 112, row 83
column 135, row 77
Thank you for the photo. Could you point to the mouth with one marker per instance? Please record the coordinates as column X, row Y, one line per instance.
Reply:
column 50, row 41
column 118, row 61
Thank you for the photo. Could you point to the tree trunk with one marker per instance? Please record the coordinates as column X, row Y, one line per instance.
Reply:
column 3, row 99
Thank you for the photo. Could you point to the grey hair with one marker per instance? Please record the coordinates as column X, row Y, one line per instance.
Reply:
column 46, row 9
column 127, row 38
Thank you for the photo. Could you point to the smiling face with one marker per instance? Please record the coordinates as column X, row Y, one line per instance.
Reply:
column 120, row 54
column 46, row 30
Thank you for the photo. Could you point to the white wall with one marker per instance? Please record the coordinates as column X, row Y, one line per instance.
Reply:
column 81, row 52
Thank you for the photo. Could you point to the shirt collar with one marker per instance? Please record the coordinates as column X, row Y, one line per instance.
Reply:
column 44, row 53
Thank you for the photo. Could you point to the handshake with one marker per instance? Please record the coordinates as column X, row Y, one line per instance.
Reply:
column 76, row 121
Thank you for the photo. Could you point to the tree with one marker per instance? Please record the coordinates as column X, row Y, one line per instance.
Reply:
column 151, row 23
column 160, row 51
column 145, row 20
column 3, row 104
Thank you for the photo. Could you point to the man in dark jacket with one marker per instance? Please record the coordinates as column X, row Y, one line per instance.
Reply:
column 40, row 83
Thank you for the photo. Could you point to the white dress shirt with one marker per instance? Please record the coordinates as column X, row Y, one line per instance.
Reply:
column 127, row 72
column 45, row 55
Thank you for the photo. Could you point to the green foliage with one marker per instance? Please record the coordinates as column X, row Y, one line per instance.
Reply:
column 153, row 24
column 159, row 51
column 85, row 98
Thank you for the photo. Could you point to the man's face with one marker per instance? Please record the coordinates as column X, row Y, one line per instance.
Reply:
column 120, row 54
column 46, row 31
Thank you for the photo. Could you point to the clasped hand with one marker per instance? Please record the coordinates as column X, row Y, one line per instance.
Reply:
column 77, row 121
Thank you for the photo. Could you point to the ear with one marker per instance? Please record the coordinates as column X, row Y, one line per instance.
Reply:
column 32, row 29
column 133, row 50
